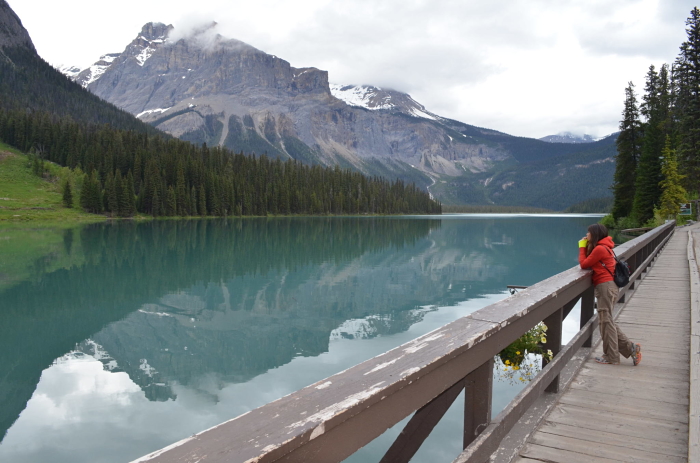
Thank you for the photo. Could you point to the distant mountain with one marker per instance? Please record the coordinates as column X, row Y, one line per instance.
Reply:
column 205, row 88
column 568, row 137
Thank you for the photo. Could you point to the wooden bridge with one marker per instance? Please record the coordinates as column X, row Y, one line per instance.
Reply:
column 573, row 411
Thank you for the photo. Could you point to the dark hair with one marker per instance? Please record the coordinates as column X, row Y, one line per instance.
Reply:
column 598, row 232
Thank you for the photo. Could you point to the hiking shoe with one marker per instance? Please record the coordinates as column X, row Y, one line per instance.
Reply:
column 604, row 360
column 637, row 355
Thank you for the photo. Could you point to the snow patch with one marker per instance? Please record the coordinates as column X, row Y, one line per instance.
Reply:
column 146, row 53
column 361, row 96
column 151, row 111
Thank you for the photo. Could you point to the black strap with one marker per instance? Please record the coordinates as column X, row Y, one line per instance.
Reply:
column 605, row 266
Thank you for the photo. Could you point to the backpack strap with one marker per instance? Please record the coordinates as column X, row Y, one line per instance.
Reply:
column 605, row 266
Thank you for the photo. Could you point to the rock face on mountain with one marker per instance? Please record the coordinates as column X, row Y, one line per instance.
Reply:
column 206, row 88
column 12, row 33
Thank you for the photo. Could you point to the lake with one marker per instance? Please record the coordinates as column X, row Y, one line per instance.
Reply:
column 118, row 339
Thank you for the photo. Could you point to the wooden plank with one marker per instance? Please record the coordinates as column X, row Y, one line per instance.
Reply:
column 652, row 429
column 626, row 405
column 661, row 392
column 626, row 374
column 604, row 448
column 596, row 435
column 550, row 455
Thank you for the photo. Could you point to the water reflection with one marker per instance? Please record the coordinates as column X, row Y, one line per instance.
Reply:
column 211, row 318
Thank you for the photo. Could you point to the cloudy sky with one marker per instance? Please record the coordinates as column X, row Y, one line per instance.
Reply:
column 525, row 67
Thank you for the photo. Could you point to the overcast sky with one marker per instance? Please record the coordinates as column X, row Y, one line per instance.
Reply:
column 525, row 67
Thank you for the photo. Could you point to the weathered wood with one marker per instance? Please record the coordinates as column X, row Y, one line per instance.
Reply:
column 613, row 423
column 587, row 311
column 593, row 436
column 420, row 426
column 604, row 448
column 478, row 390
column 488, row 441
column 554, row 328
column 551, row 455
column 626, row 405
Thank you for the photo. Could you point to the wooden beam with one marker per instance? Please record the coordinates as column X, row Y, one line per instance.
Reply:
column 420, row 426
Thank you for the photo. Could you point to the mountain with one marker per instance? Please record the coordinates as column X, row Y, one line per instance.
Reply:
column 568, row 137
column 205, row 88
column 28, row 83
column 12, row 33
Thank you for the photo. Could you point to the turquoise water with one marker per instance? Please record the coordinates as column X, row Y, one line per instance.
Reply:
column 127, row 336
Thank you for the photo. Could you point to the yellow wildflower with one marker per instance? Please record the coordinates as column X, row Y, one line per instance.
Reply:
column 517, row 352
column 544, row 340
column 507, row 362
column 515, row 367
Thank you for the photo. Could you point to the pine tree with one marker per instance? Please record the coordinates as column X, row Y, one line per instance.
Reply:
column 687, row 79
column 67, row 194
column 655, row 109
column 673, row 192
column 628, row 153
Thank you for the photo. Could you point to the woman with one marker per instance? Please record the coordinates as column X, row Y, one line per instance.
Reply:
column 595, row 253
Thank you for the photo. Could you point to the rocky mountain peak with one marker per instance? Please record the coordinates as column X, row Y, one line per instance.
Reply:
column 12, row 33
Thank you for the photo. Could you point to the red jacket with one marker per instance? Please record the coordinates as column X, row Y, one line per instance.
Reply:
column 600, row 255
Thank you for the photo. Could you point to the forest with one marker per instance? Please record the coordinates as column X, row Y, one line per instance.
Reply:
column 125, row 167
column 658, row 149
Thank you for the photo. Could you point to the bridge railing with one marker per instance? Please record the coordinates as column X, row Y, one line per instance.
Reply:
column 333, row 418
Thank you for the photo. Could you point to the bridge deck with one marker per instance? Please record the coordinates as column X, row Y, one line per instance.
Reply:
column 625, row 413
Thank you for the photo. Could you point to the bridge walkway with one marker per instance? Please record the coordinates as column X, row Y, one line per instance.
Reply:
column 624, row 413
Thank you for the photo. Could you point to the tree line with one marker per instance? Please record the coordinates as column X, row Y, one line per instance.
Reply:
column 658, row 159
column 128, row 171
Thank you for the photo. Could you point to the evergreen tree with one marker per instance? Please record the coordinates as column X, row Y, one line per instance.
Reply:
column 656, row 111
column 687, row 80
column 673, row 192
column 628, row 153
column 67, row 194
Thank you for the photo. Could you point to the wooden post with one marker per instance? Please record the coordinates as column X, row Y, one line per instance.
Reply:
column 587, row 310
column 554, row 327
column 477, row 401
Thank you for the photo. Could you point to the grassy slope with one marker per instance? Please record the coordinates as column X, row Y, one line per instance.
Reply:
column 25, row 197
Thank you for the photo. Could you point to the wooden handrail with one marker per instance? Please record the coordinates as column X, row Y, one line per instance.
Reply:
column 331, row 419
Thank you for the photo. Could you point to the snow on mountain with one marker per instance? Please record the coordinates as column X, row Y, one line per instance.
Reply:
column 568, row 137
column 376, row 98
column 69, row 71
column 94, row 72
column 364, row 96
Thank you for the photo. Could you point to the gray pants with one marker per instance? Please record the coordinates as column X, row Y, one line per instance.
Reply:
column 614, row 340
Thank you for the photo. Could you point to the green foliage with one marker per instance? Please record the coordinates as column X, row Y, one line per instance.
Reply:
column 514, row 358
column 670, row 138
column 673, row 192
column 628, row 152
column 67, row 194
column 608, row 221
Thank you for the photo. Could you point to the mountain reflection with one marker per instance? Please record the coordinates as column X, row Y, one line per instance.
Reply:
column 198, row 302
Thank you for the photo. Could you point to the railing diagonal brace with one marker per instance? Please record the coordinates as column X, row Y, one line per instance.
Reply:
column 421, row 425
